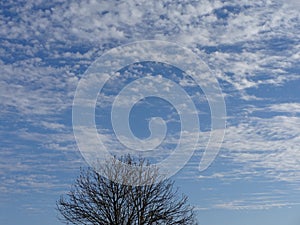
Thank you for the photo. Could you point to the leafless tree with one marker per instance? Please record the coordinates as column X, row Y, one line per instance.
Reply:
column 96, row 200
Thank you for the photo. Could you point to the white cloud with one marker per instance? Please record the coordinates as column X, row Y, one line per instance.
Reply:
column 292, row 108
column 268, row 144
column 260, row 204
column 45, row 51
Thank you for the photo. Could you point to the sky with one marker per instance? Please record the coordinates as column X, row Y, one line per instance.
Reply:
column 247, row 50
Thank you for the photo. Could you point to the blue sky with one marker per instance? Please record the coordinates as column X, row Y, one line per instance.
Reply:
column 251, row 47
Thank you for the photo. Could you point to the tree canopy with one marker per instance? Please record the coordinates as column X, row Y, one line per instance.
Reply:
column 95, row 199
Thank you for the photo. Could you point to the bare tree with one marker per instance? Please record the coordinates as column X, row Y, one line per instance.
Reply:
column 96, row 200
